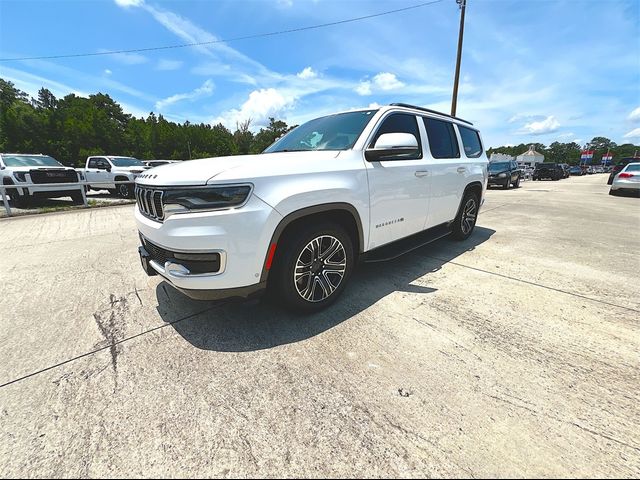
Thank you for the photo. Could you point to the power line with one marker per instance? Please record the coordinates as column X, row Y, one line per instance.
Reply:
column 234, row 39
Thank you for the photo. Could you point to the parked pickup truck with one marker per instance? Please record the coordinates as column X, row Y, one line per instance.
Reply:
column 101, row 170
column 367, row 184
column 21, row 169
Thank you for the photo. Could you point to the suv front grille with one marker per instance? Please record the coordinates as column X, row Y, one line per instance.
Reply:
column 150, row 202
column 53, row 176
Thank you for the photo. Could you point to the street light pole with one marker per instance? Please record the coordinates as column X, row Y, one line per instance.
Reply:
column 454, row 100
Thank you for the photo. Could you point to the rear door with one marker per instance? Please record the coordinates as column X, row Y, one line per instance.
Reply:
column 448, row 168
column 399, row 190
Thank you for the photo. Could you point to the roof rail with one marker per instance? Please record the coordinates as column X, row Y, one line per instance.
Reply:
column 406, row 105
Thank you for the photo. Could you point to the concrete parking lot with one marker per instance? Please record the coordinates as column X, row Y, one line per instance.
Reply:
column 514, row 353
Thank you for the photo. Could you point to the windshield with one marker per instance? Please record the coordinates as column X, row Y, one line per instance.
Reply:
column 334, row 132
column 498, row 166
column 30, row 161
column 126, row 162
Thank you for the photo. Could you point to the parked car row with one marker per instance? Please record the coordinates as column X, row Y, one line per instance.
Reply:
column 33, row 174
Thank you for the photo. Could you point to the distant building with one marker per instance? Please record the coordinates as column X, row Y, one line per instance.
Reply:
column 530, row 157
column 500, row 157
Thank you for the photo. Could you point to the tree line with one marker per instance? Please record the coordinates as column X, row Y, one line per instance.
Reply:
column 559, row 152
column 72, row 128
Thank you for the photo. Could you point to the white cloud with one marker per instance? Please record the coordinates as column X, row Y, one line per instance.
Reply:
column 204, row 91
column 307, row 73
column 261, row 104
column 635, row 133
column 566, row 135
column 364, row 88
column 387, row 81
column 164, row 64
column 129, row 3
column 107, row 71
column 384, row 81
column 548, row 125
column 635, row 115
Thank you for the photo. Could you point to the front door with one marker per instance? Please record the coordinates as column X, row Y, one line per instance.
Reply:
column 398, row 189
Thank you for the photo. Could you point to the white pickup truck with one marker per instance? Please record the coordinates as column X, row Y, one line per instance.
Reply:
column 102, row 170
column 39, row 176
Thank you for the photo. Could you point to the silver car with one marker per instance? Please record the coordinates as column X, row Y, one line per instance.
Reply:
column 627, row 181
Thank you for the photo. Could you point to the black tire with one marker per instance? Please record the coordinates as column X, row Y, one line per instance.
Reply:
column 308, row 292
column 517, row 184
column 77, row 198
column 507, row 185
column 465, row 221
column 613, row 192
column 113, row 192
column 19, row 201
column 125, row 190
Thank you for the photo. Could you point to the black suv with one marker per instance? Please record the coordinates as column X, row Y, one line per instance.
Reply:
column 504, row 174
column 554, row 171
column 617, row 168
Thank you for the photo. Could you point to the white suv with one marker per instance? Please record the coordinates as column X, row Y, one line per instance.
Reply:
column 366, row 184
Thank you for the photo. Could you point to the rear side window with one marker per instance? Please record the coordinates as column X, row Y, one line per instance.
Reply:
column 442, row 138
column 399, row 123
column 470, row 142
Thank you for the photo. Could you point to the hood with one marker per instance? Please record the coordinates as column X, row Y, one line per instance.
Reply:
column 27, row 169
column 237, row 168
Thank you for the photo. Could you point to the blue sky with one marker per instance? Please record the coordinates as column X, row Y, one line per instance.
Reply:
column 532, row 70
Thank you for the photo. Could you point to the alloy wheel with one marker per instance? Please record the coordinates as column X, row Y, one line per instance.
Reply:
column 469, row 216
column 320, row 268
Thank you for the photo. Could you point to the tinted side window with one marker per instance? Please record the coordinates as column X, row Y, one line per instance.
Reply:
column 93, row 163
column 399, row 123
column 470, row 142
column 442, row 138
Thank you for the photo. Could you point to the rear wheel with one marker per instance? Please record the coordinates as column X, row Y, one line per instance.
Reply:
column 465, row 221
column 313, row 268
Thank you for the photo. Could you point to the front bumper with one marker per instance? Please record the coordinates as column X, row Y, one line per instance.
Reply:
column 497, row 181
column 240, row 236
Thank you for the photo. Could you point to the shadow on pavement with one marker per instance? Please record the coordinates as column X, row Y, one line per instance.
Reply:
column 241, row 326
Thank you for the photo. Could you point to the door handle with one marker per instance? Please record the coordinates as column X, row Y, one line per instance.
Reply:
column 421, row 173
column 462, row 169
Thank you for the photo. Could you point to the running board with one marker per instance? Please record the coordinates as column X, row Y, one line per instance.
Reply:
column 406, row 245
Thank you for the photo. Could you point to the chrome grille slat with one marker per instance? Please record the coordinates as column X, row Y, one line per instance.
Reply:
column 150, row 202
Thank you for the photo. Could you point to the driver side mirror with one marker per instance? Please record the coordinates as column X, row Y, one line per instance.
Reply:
column 393, row 146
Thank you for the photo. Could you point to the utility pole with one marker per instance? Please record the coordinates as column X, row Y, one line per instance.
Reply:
column 454, row 100
column 189, row 147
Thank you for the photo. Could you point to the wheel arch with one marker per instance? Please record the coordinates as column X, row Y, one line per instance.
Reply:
column 474, row 187
column 344, row 214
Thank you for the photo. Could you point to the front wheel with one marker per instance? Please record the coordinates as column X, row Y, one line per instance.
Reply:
column 465, row 221
column 313, row 267
column 125, row 190
column 517, row 184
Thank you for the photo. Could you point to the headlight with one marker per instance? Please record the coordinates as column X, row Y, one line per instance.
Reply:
column 204, row 198
column 502, row 175
column 20, row 176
